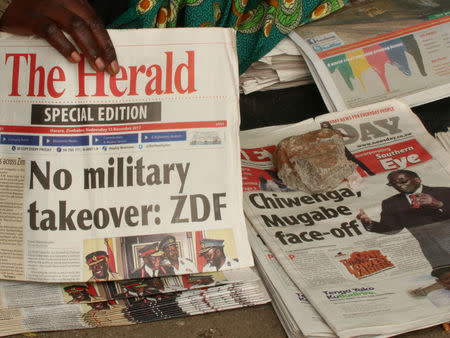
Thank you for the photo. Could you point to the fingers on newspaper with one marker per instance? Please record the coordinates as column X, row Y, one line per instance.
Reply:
column 111, row 177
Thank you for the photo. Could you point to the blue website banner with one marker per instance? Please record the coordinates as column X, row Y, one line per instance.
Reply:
column 114, row 139
column 168, row 136
column 65, row 141
column 26, row 140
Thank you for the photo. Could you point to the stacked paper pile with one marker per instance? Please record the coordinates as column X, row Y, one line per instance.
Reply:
column 104, row 185
column 372, row 254
column 296, row 314
column 282, row 67
column 31, row 307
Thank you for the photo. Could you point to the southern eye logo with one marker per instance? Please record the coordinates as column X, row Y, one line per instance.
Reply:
column 366, row 263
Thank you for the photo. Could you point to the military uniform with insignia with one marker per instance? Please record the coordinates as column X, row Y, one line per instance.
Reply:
column 215, row 263
column 79, row 293
column 148, row 269
column 185, row 265
column 100, row 258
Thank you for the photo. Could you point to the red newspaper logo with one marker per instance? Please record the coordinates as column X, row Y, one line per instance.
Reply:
column 392, row 157
column 263, row 154
column 254, row 179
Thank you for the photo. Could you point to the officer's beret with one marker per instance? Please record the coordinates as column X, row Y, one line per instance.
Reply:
column 96, row 257
column 150, row 250
column 75, row 288
column 135, row 283
column 208, row 243
column 168, row 240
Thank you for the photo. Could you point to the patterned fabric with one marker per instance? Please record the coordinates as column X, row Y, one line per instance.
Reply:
column 3, row 6
column 260, row 24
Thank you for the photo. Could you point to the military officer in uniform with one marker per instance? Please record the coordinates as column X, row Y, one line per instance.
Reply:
column 216, row 260
column 141, row 287
column 180, row 265
column 79, row 293
column 98, row 264
column 152, row 256
column 200, row 280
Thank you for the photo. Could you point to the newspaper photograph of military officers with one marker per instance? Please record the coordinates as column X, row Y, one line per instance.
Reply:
column 160, row 255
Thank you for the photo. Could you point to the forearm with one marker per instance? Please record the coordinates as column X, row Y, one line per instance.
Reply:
column 384, row 226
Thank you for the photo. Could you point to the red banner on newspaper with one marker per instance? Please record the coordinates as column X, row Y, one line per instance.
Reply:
column 392, row 157
column 254, row 179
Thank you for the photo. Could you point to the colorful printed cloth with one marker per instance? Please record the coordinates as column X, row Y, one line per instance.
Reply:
column 260, row 24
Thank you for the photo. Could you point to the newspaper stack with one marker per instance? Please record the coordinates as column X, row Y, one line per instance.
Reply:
column 30, row 307
column 372, row 255
column 26, row 294
column 282, row 67
column 107, row 181
column 375, row 50
column 296, row 314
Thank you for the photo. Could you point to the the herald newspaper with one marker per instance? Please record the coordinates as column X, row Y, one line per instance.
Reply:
column 128, row 176
column 373, row 254
column 375, row 50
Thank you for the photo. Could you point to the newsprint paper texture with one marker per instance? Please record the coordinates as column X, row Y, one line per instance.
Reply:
column 100, row 173
column 375, row 50
column 372, row 255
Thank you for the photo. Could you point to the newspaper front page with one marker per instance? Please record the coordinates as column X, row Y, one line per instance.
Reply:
column 117, row 177
column 375, row 50
column 373, row 254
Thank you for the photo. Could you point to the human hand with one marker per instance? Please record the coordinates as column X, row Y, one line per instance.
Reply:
column 48, row 19
column 362, row 216
column 428, row 200
column 419, row 292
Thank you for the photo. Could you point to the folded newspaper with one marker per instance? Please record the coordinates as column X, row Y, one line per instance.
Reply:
column 282, row 67
column 127, row 176
column 129, row 311
column 375, row 50
column 373, row 254
column 296, row 314
column 32, row 294
column 30, row 307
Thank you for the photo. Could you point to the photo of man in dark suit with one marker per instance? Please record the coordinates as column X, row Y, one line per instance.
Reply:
column 414, row 207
